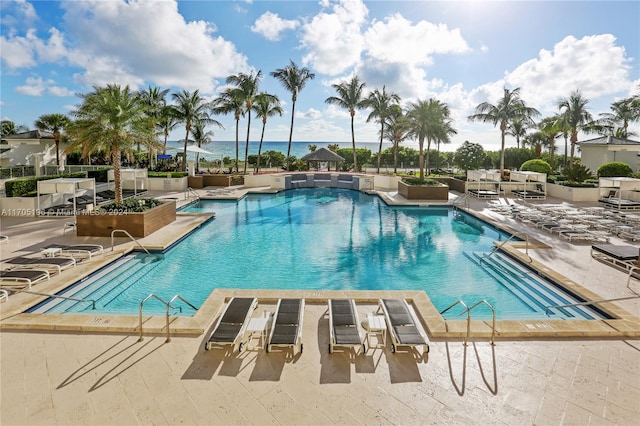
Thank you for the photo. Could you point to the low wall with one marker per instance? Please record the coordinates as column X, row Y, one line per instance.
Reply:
column 18, row 206
column 573, row 194
column 388, row 182
column 416, row 192
column 217, row 180
column 272, row 180
column 137, row 224
column 168, row 184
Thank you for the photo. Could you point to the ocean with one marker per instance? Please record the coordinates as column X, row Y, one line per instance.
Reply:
column 221, row 149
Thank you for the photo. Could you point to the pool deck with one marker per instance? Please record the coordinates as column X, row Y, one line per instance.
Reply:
column 68, row 369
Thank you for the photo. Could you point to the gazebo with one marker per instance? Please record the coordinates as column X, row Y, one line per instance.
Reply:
column 322, row 155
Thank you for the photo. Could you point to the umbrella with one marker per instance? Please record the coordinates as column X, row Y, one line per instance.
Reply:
column 194, row 148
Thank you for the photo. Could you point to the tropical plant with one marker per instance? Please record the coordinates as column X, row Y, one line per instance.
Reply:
column 536, row 141
column 508, row 108
column 518, row 129
column 382, row 107
column 54, row 123
column 469, row 156
column 551, row 128
column 623, row 112
column 350, row 98
column 293, row 79
column 112, row 118
column 166, row 123
column 578, row 173
column 189, row 109
column 396, row 131
column 201, row 136
column 230, row 101
column 538, row 166
column 8, row 127
column 428, row 120
column 576, row 118
column 265, row 106
column 247, row 86
column 615, row 169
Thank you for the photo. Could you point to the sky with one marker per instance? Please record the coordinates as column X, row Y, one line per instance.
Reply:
column 461, row 53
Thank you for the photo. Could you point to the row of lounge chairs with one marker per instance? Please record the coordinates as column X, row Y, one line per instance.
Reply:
column 26, row 271
column 344, row 326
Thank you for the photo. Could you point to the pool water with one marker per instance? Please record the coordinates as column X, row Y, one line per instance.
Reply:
column 325, row 239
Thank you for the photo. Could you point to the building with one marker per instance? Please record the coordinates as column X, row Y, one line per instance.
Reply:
column 19, row 149
column 595, row 152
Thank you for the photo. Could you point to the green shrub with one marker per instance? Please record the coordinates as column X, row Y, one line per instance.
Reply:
column 578, row 173
column 29, row 187
column 131, row 205
column 417, row 182
column 615, row 169
column 100, row 175
column 167, row 174
column 539, row 166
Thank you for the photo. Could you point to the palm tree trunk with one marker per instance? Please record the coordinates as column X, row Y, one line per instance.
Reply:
column 502, row 152
column 428, row 157
column 565, row 151
column 184, row 152
column 574, row 139
column 380, row 147
column 166, row 136
column 421, row 158
column 57, row 152
column 438, row 156
column 115, row 159
column 246, row 148
column 293, row 114
column 237, row 122
column 264, row 124
column 353, row 142
column 395, row 159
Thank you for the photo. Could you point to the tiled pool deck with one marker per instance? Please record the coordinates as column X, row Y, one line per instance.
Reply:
column 63, row 371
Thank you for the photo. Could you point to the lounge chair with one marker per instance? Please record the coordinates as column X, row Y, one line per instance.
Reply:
column 4, row 295
column 583, row 235
column 629, row 234
column 230, row 328
column 622, row 256
column 402, row 325
column 80, row 250
column 50, row 264
column 287, row 324
column 23, row 276
column 344, row 328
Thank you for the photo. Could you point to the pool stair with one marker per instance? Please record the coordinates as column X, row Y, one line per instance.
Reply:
column 104, row 286
column 533, row 290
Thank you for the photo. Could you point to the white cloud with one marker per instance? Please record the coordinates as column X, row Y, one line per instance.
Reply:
column 334, row 40
column 25, row 52
column 116, row 41
column 271, row 26
column 36, row 86
column 311, row 113
column 18, row 13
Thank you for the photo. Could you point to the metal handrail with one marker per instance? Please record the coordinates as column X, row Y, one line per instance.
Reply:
column 177, row 296
column 140, row 339
column 464, row 198
column 591, row 302
column 466, row 309
column 128, row 235
column 493, row 312
column 93, row 302
column 190, row 190
column 515, row 234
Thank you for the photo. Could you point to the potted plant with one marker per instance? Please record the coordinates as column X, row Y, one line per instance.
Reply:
column 413, row 188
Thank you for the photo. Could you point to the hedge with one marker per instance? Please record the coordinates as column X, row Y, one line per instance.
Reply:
column 29, row 187
column 167, row 174
column 615, row 169
column 539, row 166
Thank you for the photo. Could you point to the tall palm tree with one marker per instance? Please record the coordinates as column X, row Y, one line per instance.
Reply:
column 427, row 120
column 518, row 129
column 166, row 123
column 622, row 113
column 231, row 101
column 574, row 110
column 550, row 127
column 112, row 118
column 536, row 140
column 350, row 98
column 247, row 85
column 381, row 104
column 53, row 123
column 508, row 108
column 444, row 137
column 293, row 79
column 265, row 106
column 201, row 136
column 396, row 131
column 155, row 99
column 189, row 109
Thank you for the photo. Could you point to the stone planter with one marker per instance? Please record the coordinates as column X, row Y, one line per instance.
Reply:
column 168, row 184
column 573, row 194
column 216, row 180
column 138, row 225
column 195, row 182
column 416, row 192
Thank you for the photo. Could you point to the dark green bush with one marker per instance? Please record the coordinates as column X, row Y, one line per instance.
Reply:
column 131, row 205
column 165, row 174
column 539, row 166
column 615, row 169
column 578, row 173
column 414, row 181
column 100, row 175
column 29, row 187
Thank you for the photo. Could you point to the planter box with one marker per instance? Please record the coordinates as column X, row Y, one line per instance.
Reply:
column 573, row 194
column 137, row 224
column 168, row 184
column 195, row 182
column 415, row 192
column 216, row 180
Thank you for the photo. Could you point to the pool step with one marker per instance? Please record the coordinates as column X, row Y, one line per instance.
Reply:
column 525, row 285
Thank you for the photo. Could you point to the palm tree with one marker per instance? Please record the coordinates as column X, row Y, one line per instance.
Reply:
column 622, row 113
column 201, row 137
column 189, row 109
column 155, row 100
column 247, row 85
column 536, row 140
column 508, row 108
column 112, row 118
column 230, row 101
column 518, row 129
column 551, row 129
column 293, row 79
column 576, row 116
column 166, row 123
column 396, row 131
column 53, row 123
column 427, row 120
column 447, row 130
column 265, row 106
column 381, row 104
column 350, row 98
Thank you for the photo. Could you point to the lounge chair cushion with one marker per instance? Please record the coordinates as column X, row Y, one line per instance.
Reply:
column 225, row 333
column 347, row 335
column 409, row 335
column 284, row 334
column 619, row 252
column 343, row 319
column 237, row 310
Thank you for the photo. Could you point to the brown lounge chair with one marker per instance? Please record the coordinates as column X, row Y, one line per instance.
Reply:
column 28, row 277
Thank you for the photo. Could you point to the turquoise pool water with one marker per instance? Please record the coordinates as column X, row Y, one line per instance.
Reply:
column 325, row 239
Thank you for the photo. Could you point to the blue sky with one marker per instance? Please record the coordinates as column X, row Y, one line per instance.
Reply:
column 462, row 53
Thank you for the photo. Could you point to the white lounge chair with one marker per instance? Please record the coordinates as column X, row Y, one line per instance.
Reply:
column 621, row 256
column 27, row 277
column 344, row 326
column 583, row 235
column 230, row 327
column 287, row 325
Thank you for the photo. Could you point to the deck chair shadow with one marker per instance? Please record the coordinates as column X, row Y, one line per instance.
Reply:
column 232, row 324
column 344, row 328
column 287, row 325
column 403, row 325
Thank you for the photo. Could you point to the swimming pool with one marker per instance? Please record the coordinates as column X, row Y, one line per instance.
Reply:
column 326, row 239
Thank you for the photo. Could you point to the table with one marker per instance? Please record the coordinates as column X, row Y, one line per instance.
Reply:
column 377, row 327
column 257, row 329
column 50, row 252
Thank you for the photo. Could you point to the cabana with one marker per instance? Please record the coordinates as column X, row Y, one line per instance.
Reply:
column 534, row 185
column 75, row 187
column 622, row 193
column 483, row 184
column 322, row 155
column 135, row 179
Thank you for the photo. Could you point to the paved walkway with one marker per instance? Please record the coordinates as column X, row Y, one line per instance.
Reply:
column 81, row 378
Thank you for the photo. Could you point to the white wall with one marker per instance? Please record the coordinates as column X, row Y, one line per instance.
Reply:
column 594, row 156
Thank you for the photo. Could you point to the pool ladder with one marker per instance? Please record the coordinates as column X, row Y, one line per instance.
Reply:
column 168, row 305
column 128, row 235
column 467, row 310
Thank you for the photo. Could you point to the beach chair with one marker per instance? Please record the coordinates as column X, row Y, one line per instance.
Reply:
column 230, row 327
column 620, row 256
column 344, row 327
column 80, row 250
column 58, row 264
column 582, row 235
column 28, row 277
column 402, row 325
column 287, row 325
